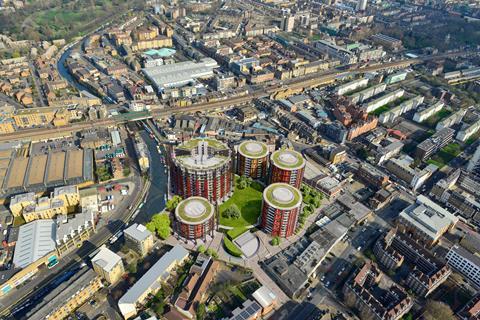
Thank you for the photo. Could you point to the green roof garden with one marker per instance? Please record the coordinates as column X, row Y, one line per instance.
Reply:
column 288, row 159
column 253, row 149
column 282, row 196
column 194, row 210
column 193, row 143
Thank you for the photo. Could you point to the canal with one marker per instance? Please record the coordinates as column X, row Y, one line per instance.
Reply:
column 155, row 200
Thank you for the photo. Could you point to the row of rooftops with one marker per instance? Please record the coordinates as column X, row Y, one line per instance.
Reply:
column 35, row 173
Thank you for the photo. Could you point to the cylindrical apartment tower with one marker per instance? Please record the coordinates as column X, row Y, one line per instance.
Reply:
column 287, row 166
column 195, row 218
column 252, row 159
column 280, row 209
column 203, row 168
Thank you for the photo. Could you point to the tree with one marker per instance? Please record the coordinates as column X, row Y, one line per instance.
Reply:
column 232, row 212
column 212, row 253
column 173, row 203
column 276, row 241
column 132, row 267
column 201, row 248
column 437, row 310
column 160, row 224
column 201, row 311
column 362, row 153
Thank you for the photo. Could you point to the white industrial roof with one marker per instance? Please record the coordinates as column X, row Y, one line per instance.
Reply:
column 35, row 240
column 171, row 75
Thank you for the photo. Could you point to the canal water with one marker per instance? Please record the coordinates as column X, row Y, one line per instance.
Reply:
column 155, row 200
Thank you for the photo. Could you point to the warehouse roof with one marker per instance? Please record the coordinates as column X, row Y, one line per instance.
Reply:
column 35, row 240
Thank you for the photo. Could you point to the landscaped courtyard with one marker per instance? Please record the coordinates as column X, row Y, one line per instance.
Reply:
column 249, row 202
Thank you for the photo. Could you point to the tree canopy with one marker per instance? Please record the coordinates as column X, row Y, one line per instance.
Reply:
column 173, row 203
column 437, row 310
column 160, row 224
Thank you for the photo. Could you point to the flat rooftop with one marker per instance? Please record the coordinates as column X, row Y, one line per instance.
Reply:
column 288, row 159
column 194, row 210
column 282, row 196
column 253, row 149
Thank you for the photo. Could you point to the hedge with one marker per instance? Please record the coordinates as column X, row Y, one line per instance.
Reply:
column 231, row 247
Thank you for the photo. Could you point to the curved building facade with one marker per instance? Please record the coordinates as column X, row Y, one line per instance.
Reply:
column 252, row 159
column 203, row 168
column 194, row 218
column 280, row 209
column 287, row 166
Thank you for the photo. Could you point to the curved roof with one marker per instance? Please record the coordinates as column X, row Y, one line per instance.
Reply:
column 253, row 149
column 194, row 210
column 282, row 196
column 288, row 159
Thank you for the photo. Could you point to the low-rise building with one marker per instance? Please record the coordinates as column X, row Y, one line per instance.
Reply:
column 67, row 297
column 426, row 271
column 375, row 298
column 151, row 281
column 414, row 177
column 139, row 239
column 372, row 175
column 108, row 265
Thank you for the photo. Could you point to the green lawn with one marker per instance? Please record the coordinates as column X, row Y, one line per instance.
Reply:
column 445, row 155
column 380, row 110
column 236, row 232
column 249, row 201
column 231, row 247
column 437, row 117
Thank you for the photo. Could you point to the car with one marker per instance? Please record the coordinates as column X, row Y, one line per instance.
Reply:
column 327, row 284
column 322, row 278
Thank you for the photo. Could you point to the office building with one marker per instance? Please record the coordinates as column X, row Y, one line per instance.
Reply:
column 252, row 159
column 69, row 295
column 151, row 281
column 202, row 167
column 139, row 239
column 287, row 166
column 108, row 265
column 280, row 209
column 465, row 262
column 62, row 200
column 195, row 218
column 387, row 41
column 426, row 220
column 432, row 145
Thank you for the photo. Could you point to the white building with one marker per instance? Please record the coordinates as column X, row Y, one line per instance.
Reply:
column 426, row 113
column 383, row 100
column 351, row 86
column 469, row 131
column 394, row 113
column 465, row 262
